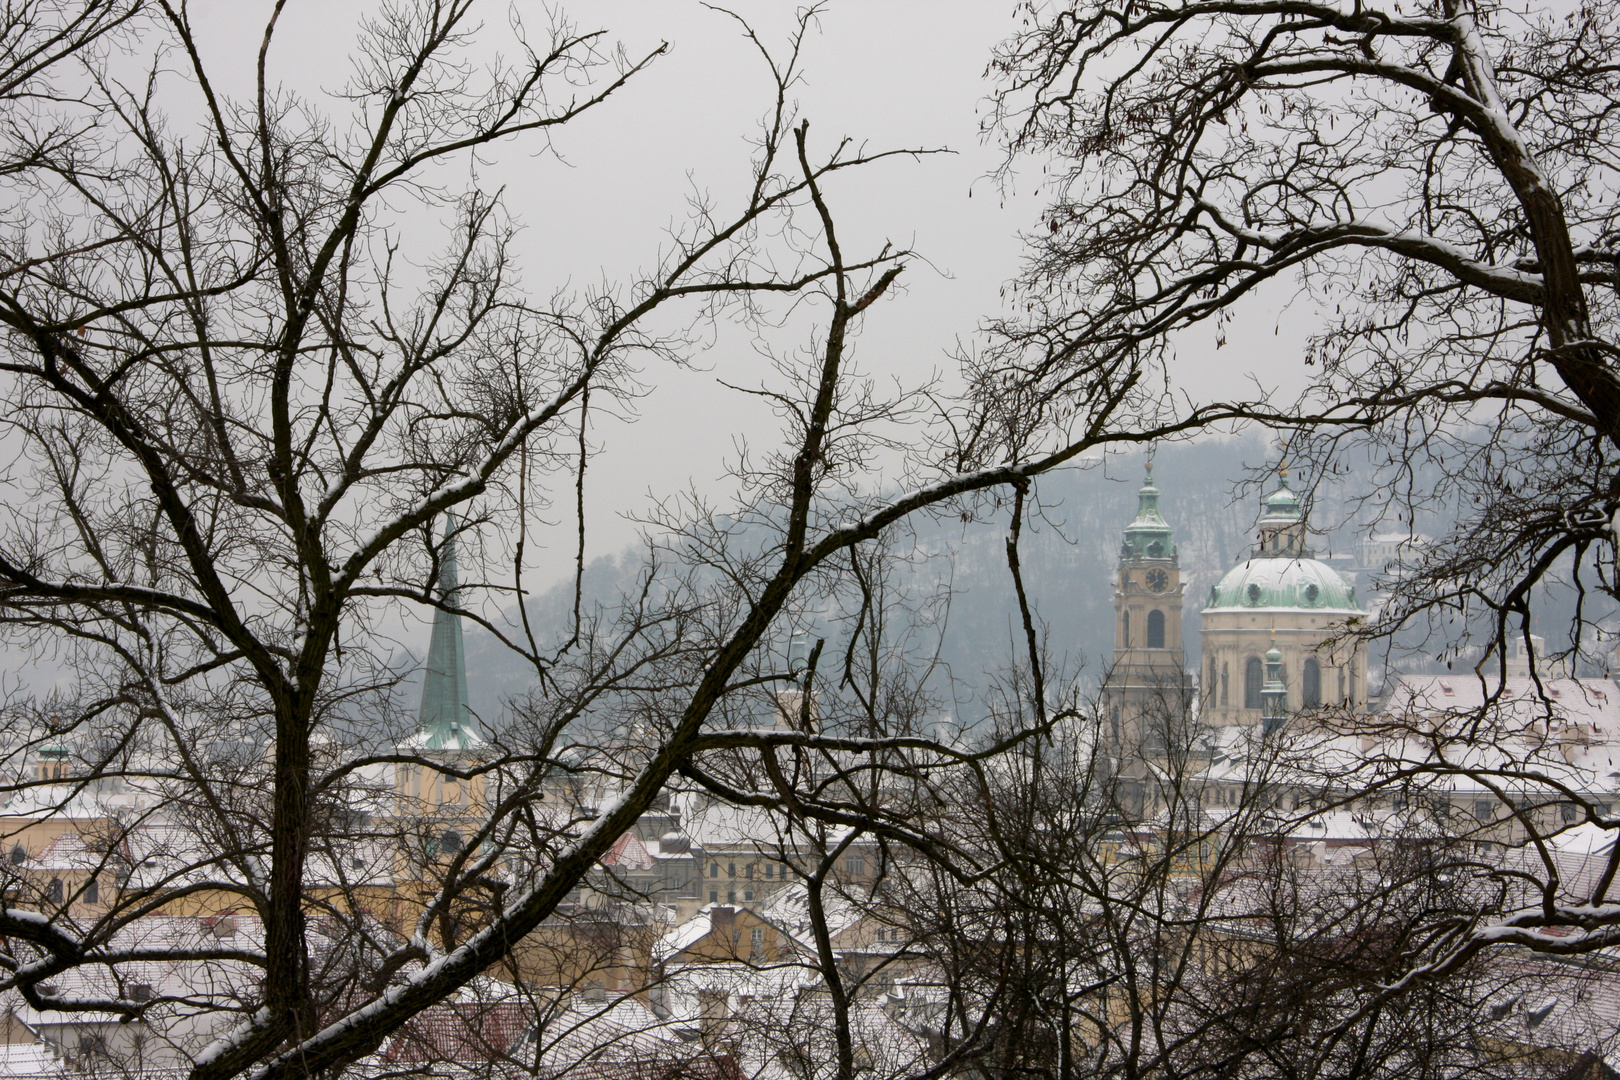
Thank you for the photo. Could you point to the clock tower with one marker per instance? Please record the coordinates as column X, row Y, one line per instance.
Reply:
column 1147, row 689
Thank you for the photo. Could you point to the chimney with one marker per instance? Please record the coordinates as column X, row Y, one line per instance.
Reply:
column 722, row 918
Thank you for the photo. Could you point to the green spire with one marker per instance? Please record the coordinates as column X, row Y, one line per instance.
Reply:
column 1149, row 536
column 445, row 717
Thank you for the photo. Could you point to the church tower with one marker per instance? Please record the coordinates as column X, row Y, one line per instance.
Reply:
column 444, row 735
column 1147, row 686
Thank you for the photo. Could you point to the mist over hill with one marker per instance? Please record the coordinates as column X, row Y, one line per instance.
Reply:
column 1209, row 492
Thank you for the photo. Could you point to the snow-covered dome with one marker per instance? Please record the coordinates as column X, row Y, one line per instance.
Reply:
column 1284, row 583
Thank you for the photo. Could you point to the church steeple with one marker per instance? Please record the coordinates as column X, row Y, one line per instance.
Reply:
column 1148, row 536
column 445, row 718
column 1147, row 686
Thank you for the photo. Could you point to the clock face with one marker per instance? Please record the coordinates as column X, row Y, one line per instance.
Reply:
column 1158, row 580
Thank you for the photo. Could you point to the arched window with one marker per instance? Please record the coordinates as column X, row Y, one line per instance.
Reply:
column 450, row 842
column 92, row 891
column 55, row 892
column 1155, row 629
column 1225, row 672
column 1127, row 630
column 1253, row 677
column 1313, row 685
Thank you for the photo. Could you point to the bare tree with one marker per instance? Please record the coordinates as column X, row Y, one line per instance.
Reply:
column 1435, row 178
column 244, row 388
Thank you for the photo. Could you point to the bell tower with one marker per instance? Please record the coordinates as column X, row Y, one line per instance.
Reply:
column 1147, row 688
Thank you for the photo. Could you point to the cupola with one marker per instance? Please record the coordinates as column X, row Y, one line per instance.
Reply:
column 1148, row 536
column 1282, row 527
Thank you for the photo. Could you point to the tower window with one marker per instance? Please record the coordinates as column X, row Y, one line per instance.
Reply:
column 1155, row 633
column 1253, row 594
column 1127, row 629
column 1253, row 678
column 1313, row 684
column 1225, row 680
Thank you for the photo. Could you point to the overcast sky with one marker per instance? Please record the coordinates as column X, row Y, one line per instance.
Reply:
column 883, row 72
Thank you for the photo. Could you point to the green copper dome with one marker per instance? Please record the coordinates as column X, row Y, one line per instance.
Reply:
column 1284, row 583
column 1149, row 535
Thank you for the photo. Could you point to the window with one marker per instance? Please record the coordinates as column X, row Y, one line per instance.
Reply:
column 748, row 896
column 92, row 891
column 1484, row 809
column 857, row 865
column 1224, row 680
column 55, row 892
column 714, row 870
column 450, row 842
column 1252, row 676
column 756, row 941
column 1567, row 811
column 1155, row 629
column 731, row 869
column 731, row 897
column 748, row 871
column 1313, row 685
column 19, row 855
column 714, row 896
column 1127, row 629
column 140, row 993
column 770, row 870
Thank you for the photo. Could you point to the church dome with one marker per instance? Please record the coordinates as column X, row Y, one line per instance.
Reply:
column 1295, row 583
